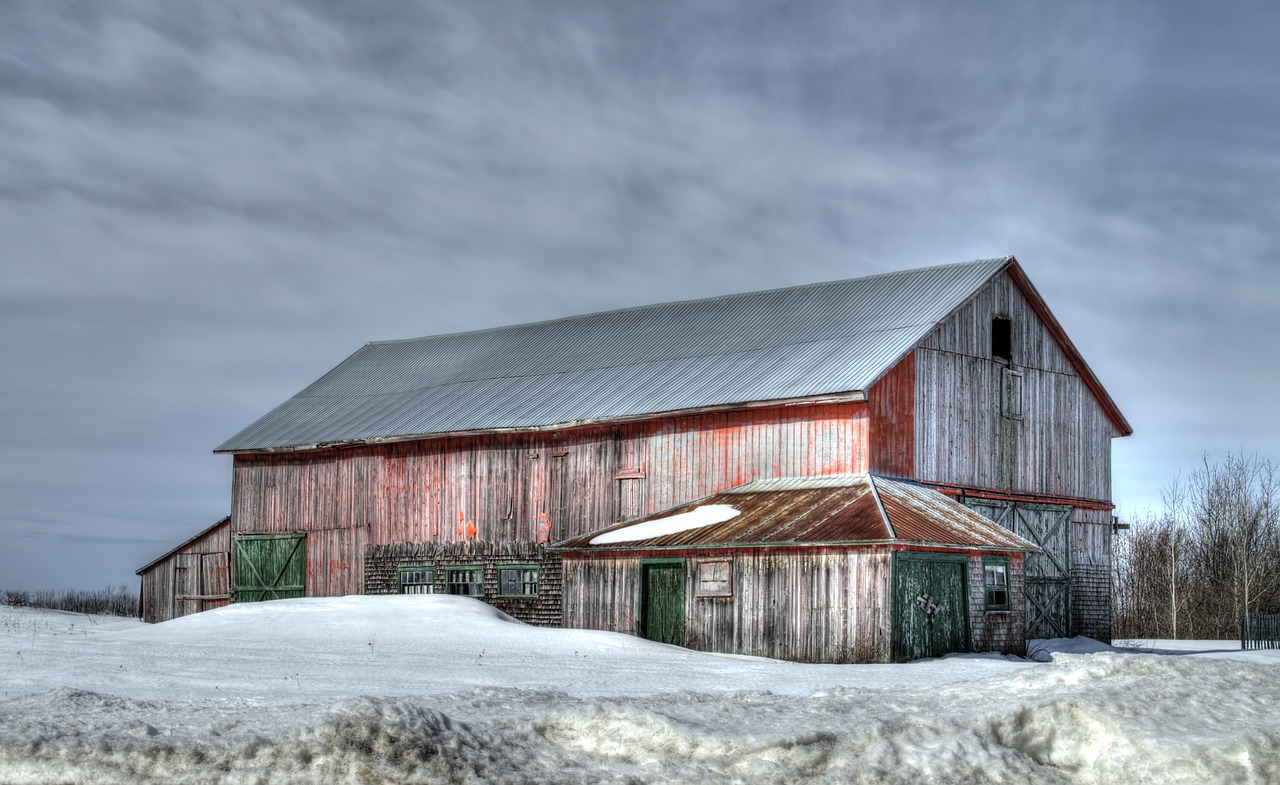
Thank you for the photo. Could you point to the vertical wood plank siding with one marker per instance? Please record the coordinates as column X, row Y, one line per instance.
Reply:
column 1060, row 446
column 805, row 605
column 193, row 578
column 535, row 486
column 892, row 420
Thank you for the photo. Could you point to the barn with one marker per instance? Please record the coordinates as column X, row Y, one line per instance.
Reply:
column 452, row 463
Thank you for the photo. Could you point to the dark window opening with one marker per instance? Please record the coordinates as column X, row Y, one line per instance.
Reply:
column 466, row 581
column 995, row 583
column 519, row 581
column 1002, row 338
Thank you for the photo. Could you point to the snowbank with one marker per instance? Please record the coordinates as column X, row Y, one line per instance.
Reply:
column 445, row 689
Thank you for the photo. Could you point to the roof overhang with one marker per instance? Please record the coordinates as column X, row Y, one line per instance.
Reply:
column 852, row 396
column 836, row 511
column 1054, row 327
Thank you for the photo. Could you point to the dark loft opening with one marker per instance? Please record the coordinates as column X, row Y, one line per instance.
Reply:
column 1001, row 338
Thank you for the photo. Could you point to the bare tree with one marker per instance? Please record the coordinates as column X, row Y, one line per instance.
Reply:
column 1211, row 556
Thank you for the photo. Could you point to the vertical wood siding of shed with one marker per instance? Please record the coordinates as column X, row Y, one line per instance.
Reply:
column 207, row 557
column 1061, row 446
column 804, row 605
column 507, row 487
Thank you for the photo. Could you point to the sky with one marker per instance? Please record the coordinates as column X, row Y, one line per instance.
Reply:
column 205, row 206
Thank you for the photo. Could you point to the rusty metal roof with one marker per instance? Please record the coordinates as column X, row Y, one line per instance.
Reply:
column 820, row 339
column 846, row 509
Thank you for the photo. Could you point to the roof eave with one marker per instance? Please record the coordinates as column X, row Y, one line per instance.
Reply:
column 1055, row 329
column 841, row 397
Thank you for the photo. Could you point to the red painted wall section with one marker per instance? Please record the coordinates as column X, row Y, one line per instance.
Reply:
column 892, row 428
column 538, row 487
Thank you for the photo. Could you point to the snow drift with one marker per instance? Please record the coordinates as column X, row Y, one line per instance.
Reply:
column 445, row 689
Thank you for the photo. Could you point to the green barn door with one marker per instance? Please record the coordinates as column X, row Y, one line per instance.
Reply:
column 662, row 602
column 1046, row 575
column 270, row 566
column 930, row 605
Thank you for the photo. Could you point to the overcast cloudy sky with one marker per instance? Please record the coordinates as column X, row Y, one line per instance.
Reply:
column 204, row 207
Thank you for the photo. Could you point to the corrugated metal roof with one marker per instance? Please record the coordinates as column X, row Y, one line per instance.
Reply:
column 860, row 509
column 784, row 343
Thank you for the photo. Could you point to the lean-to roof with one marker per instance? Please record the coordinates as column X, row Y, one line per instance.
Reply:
column 839, row 510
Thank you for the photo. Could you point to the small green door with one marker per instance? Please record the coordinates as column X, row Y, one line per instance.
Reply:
column 662, row 601
column 930, row 605
column 270, row 566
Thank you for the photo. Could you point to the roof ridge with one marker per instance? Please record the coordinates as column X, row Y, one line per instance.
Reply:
column 692, row 300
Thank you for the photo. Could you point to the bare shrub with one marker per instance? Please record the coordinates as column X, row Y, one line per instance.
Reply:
column 111, row 601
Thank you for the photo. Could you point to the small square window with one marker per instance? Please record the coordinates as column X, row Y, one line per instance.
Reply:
column 417, row 580
column 465, row 581
column 714, row 578
column 995, row 583
column 518, row 581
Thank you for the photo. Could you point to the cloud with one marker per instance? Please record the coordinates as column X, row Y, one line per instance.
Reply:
column 205, row 207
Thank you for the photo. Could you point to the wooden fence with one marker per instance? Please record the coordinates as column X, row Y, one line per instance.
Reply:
column 1260, row 631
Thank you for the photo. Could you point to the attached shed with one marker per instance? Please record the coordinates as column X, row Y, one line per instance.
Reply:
column 192, row 577
column 819, row 569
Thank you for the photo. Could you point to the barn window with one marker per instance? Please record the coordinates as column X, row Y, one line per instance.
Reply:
column 714, row 578
column 466, row 581
column 417, row 580
column 518, row 581
column 1002, row 338
column 995, row 583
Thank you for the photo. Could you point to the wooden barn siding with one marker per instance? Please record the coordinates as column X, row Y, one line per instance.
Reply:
column 334, row 566
column 1062, row 444
column 507, row 487
column 1091, row 574
column 206, row 558
column 804, row 605
column 999, row 631
column 891, row 422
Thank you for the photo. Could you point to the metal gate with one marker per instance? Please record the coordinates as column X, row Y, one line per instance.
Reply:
column 662, row 601
column 930, row 605
column 1046, row 575
column 270, row 566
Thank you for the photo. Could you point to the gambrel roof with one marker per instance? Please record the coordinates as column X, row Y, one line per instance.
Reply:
column 798, row 343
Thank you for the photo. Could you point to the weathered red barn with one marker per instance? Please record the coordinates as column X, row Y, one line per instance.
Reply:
column 452, row 462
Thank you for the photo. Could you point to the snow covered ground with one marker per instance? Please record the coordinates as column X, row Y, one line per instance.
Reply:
column 446, row 689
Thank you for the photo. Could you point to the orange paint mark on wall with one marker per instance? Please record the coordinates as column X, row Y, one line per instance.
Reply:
column 544, row 527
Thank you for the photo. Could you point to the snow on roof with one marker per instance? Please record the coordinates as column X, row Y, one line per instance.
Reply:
column 849, row 509
column 698, row 517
